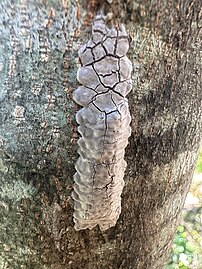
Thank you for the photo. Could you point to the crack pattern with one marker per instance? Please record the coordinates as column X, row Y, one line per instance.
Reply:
column 104, row 125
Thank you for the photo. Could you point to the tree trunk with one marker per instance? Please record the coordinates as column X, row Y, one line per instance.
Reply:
column 39, row 41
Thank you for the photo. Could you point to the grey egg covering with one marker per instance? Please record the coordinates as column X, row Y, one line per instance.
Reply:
column 104, row 125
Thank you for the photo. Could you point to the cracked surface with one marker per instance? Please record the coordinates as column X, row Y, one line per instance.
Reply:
column 104, row 126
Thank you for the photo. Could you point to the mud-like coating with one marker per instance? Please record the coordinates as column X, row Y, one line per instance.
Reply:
column 104, row 126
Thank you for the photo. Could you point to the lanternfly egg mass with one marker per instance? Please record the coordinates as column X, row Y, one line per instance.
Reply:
column 104, row 125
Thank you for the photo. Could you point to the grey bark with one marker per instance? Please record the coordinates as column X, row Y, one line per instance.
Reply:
column 39, row 41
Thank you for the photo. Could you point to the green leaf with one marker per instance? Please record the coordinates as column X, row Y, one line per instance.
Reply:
column 190, row 247
column 180, row 228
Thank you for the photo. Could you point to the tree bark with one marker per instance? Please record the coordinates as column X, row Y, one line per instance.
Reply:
column 39, row 41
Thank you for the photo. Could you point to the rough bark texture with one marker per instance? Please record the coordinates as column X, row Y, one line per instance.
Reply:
column 39, row 41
